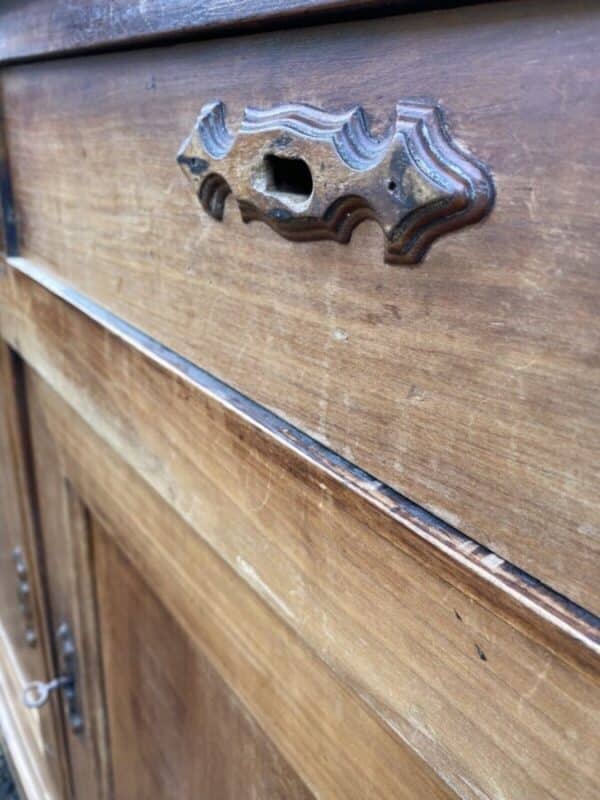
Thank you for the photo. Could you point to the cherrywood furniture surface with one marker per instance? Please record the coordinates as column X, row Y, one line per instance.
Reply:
column 306, row 507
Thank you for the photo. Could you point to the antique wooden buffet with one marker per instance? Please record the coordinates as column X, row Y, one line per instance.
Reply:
column 300, row 399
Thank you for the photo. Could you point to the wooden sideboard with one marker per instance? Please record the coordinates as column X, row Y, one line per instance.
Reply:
column 299, row 416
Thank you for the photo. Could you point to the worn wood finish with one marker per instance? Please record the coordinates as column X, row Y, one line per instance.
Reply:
column 48, row 27
column 425, row 632
column 90, row 750
column 312, row 175
column 337, row 745
column 19, row 731
column 18, row 595
column 162, row 702
column 469, row 384
column 177, row 731
column 67, row 556
column 34, row 737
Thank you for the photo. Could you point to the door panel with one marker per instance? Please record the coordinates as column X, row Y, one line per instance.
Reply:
column 67, row 548
column 34, row 736
column 176, row 730
column 338, row 743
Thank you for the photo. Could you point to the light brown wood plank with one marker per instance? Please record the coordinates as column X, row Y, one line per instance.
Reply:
column 155, row 715
column 468, row 383
column 437, row 643
column 336, row 744
column 177, row 730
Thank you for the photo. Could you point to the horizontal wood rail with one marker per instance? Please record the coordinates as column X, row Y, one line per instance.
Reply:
column 453, row 555
column 410, row 616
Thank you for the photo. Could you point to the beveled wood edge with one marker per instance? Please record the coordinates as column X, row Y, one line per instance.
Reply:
column 569, row 630
column 70, row 28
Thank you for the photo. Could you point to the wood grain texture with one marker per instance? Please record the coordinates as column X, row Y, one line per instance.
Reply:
column 470, row 384
column 47, row 27
column 336, row 744
column 39, row 750
column 177, row 730
column 89, row 749
column 67, row 556
column 435, row 642
column 15, row 533
column 19, row 733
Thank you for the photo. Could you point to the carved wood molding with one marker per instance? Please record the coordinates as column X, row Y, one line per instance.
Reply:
column 310, row 174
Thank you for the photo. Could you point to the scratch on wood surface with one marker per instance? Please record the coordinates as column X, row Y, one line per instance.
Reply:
column 539, row 678
column 261, row 587
column 265, row 500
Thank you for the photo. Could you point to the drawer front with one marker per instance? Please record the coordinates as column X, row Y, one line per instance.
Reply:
column 469, row 382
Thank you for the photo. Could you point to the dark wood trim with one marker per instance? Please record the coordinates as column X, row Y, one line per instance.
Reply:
column 8, row 227
column 43, row 28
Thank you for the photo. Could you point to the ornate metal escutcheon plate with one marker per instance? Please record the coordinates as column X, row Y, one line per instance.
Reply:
column 310, row 174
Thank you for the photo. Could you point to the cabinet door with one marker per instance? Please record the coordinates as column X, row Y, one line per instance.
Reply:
column 147, row 686
column 33, row 737
column 64, row 524
column 176, row 729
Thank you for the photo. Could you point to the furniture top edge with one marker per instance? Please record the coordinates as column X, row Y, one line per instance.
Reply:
column 43, row 29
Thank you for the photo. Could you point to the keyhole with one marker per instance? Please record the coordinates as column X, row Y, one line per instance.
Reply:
column 290, row 176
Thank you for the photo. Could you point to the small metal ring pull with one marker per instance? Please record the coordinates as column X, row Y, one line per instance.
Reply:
column 36, row 693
